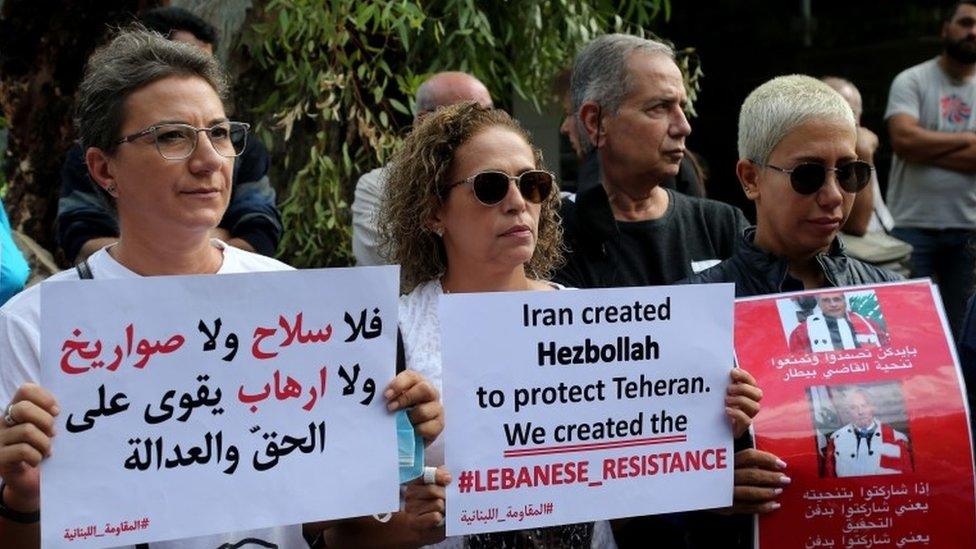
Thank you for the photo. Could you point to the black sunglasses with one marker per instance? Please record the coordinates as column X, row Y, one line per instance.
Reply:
column 807, row 178
column 491, row 187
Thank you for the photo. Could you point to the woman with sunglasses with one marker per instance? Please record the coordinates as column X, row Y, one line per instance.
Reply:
column 797, row 138
column 797, row 163
column 467, row 209
column 160, row 147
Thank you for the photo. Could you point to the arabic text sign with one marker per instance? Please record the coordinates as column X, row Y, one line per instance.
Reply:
column 575, row 406
column 863, row 400
column 182, row 397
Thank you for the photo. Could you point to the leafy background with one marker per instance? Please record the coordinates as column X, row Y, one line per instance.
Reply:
column 339, row 80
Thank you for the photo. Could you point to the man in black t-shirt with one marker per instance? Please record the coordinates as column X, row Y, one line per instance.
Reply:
column 627, row 94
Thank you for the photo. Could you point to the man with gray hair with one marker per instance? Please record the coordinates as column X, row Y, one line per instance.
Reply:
column 932, row 183
column 440, row 90
column 628, row 95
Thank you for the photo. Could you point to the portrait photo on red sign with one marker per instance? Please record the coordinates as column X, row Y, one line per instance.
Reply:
column 861, row 430
column 833, row 321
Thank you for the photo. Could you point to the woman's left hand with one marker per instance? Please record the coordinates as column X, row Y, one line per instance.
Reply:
column 425, row 508
column 742, row 401
column 411, row 391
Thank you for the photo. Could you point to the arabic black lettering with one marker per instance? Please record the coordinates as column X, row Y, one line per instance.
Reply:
column 164, row 405
column 230, row 342
column 211, row 342
column 359, row 328
column 369, row 386
column 212, row 450
column 115, row 406
column 275, row 451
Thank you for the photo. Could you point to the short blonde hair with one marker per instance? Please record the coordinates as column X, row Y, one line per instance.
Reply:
column 779, row 106
column 417, row 178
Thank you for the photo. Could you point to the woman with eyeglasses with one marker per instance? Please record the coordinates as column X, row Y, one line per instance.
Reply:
column 797, row 163
column 161, row 148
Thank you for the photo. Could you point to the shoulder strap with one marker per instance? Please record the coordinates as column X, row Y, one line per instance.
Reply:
column 84, row 270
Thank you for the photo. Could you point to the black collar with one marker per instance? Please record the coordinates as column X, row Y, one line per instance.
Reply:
column 775, row 269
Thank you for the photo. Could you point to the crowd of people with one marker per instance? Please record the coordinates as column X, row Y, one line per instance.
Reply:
column 467, row 205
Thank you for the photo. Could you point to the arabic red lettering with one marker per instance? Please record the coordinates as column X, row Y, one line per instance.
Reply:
column 259, row 334
column 79, row 347
column 295, row 331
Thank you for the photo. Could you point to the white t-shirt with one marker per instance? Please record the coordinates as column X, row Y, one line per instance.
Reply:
column 923, row 195
column 365, row 206
column 420, row 327
column 20, row 341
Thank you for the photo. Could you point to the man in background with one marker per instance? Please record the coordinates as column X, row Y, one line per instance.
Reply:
column 440, row 90
column 628, row 96
column 932, row 186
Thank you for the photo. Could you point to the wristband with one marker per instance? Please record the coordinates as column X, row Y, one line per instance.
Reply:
column 16, row 516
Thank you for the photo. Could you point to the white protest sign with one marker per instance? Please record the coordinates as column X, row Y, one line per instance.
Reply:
column 581, row 405
column 195, row 405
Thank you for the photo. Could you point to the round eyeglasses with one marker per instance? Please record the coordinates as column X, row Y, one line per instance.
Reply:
column 176, row 141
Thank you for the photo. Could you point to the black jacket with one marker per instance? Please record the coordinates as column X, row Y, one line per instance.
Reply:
column 757, row 272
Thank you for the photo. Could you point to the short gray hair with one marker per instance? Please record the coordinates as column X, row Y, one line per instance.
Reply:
column 779, row 106
column 133, row 59
column 600, row 73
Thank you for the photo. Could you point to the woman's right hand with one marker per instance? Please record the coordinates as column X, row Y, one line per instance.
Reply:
column 425, row 507
column 24, row 444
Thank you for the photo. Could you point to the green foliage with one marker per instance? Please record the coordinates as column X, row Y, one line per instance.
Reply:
column 340, row 79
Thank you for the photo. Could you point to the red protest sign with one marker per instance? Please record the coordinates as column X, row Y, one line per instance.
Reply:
column 864, row 401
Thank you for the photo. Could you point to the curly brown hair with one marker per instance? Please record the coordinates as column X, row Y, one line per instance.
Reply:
column 415, row 185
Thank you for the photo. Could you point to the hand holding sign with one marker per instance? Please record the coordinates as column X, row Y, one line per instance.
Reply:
column 238, row 391
column 742, row 401
column 410, row 389
column 425, row 506
column 759, row 479
column 25, row 439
